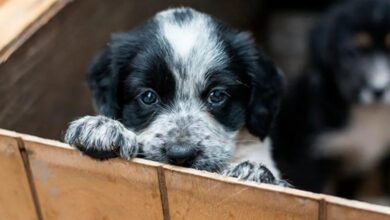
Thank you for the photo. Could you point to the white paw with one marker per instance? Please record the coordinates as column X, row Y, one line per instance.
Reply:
column 102, row 137
column 255, row 172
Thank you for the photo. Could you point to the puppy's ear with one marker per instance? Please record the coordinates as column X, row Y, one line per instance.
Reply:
column 103, row 85
column 106, row 72
column 267, row 85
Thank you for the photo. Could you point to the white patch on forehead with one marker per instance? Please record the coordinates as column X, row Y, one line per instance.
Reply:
column 183, row 37
column 380, row 75
column 195, row 47
column 195, row 32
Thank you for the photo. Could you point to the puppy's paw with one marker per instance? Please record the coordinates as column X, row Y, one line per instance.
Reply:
column 255, row 172
column 101, row 137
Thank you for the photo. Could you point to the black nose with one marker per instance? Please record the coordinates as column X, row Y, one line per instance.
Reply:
column 181, row 154
column 378, row 93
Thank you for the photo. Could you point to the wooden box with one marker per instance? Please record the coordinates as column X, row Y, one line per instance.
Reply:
column 45, row 179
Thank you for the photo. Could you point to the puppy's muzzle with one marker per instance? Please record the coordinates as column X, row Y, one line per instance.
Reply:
column 182, row 154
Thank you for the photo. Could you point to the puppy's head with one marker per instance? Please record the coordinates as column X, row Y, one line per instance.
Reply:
column 185, row 83
column 351, row 44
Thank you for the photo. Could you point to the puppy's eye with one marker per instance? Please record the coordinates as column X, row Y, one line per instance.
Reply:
column 217, row 97
column 149, row 97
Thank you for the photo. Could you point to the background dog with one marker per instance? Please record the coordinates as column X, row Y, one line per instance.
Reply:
column 185, row 89
column 335, row 120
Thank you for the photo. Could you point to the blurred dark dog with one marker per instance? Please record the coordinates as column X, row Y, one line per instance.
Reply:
column 335, row 119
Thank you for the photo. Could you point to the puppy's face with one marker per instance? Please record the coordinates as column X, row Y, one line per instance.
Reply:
column 358, row 50
column 185, row 84
column 372, row 66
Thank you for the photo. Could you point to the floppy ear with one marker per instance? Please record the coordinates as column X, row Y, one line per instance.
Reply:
column 106, row 72
column 102, row 83
column 267, row 85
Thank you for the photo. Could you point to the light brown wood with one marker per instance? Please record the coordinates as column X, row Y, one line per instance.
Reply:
column 72, row 186
column 69, row 185
column 15, row 197
column 201, row 197
column 342, row 209
column 16, row 16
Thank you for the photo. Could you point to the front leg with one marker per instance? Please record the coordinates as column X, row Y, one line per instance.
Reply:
column 101, row 137
column 255, row 172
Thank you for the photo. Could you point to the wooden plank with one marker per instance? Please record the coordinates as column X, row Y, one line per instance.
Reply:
column 201, row 195
column 16, row 201
column 72, row 186
column 343, row 209
column 16, row 16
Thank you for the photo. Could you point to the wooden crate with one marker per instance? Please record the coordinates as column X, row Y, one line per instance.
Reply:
column 45, row 179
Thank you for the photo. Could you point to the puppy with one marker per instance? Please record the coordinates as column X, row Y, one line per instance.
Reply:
column 184, row 89
column 335, row 119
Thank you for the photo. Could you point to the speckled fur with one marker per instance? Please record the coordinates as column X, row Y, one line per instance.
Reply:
column 182, row 55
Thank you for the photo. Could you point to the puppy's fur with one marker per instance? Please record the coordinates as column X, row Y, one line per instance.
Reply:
column 335, row 120
column 155, row 89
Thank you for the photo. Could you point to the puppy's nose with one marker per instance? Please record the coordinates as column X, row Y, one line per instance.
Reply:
column 181, row 155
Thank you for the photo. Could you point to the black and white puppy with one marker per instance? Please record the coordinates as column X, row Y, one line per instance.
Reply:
column 185, row 89
column 335, row 120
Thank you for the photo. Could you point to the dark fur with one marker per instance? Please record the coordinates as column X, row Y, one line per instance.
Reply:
column 256, row 96
column 144, row 59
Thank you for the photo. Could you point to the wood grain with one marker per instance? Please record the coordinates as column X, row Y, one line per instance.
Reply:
column 69, row 185
column 16, row 17
column 342, row 209
column 15, row 197
column 206, row 197
column 72, row 186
